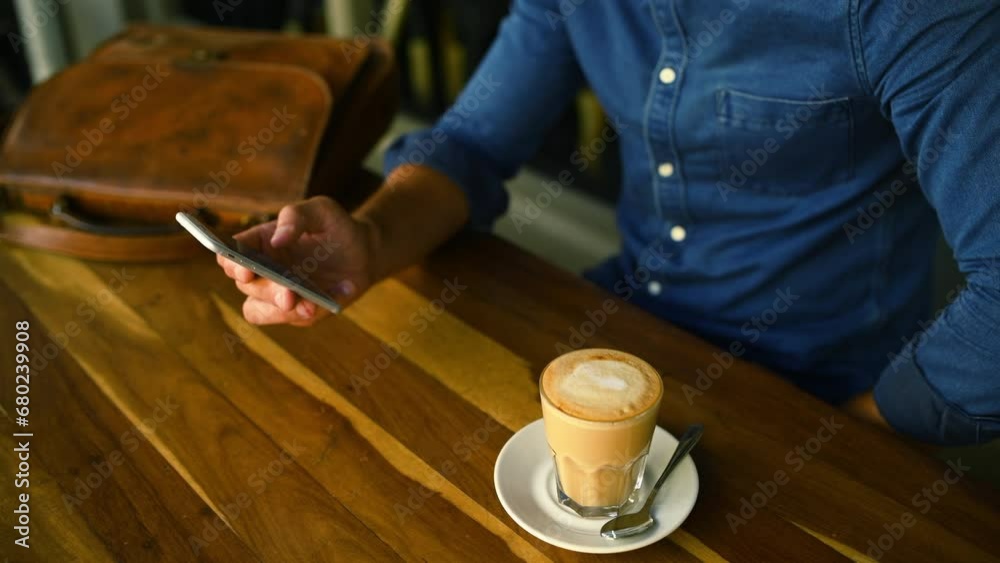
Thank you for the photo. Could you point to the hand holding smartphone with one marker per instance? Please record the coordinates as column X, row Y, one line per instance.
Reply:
column 256, row 262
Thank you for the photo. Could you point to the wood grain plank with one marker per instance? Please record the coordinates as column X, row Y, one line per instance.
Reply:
column 498, row 274
column 416, row 409
column 55, row 535
column 103, row 468
column 500, row 378
column 498, row 382
column 421, row 404
column 435, row 418
column 384, row 458
column 511, row 390
column 418, row 412
column 208, row 441
column 845, row 550
column 356, row 461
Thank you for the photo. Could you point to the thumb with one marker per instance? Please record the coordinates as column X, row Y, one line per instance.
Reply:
column 294, row 220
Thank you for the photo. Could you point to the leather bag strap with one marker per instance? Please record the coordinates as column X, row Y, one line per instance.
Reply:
column 25, row 230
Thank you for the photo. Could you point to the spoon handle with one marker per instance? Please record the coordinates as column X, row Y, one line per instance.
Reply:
column 688, row 441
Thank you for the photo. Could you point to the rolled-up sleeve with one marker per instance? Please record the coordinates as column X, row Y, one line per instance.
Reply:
column 498, row 121
column 933, row 66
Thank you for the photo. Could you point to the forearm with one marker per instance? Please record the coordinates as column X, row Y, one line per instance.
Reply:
column 415, row 210
column 864, row 407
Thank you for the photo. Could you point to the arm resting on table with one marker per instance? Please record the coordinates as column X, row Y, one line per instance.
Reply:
column 935, row 76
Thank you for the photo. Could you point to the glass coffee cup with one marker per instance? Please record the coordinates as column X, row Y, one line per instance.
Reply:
column 600, row 408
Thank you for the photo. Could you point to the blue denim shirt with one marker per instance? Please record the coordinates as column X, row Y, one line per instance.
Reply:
column 786, row 166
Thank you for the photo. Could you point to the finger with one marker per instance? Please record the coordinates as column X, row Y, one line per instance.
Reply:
column 319, row 314
column 242, row 274
column 260, row 312
column 270, row 292
column 234, row 270
column 309, row 216
column 257, row 237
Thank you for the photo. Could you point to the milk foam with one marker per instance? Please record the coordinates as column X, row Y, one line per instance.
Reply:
column 600, row 385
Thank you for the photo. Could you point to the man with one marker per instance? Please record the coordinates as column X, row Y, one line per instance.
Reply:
column 771, row 154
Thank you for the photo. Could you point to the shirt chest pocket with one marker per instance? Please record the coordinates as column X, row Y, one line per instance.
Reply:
column 783, row 146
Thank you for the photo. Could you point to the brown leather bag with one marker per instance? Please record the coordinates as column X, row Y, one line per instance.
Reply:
column 229, row 125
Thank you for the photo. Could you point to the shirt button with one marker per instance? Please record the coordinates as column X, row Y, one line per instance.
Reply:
column 668, row 75
column 666, row 169
column 678, row 233
column 654, row 287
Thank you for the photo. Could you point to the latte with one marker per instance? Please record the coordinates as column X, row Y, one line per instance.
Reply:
column 600, row 408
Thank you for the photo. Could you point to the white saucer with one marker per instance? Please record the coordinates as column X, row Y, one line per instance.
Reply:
column 525, row 480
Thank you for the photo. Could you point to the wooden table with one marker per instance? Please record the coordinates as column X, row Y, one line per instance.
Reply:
column 164, row 425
